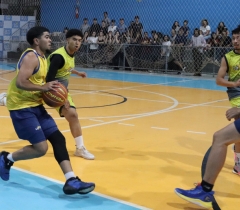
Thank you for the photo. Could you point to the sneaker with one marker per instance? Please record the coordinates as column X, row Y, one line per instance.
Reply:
column 2, row 99
column 75, row 185
column 196, row 196
column 5, row 166
column 84, row 153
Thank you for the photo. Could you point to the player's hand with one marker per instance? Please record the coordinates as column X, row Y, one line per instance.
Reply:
column 233, row 113
column 53, row 85
column 67, row 105
column 82, row 74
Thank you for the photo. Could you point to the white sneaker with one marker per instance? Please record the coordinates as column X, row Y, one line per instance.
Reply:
column 84, row 153
column 2, row 98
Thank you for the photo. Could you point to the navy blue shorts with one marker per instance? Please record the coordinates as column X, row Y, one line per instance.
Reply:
column 33, row 124
column 237, row 125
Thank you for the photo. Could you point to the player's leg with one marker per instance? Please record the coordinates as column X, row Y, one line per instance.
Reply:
column 73, row 184
column 75, row 127
column 235, row 102
column 27, row 127
column 202, row 195
column 3, row 99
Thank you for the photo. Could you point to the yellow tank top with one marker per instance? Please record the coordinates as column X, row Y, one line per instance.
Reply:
column 69, row 64
column 233, row 64
column 20, row 99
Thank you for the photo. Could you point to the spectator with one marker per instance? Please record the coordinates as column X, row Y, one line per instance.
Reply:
column 112, row 27
column 122, row 28
column 198, row 43
column 106, row 18
column 179, row 43
column 173, row 64
column 173, row 36
column 93, row 39
column 185, row 28
column 104, row 28
column 136, row 28
column 85, row 26
column 62, row 36
column 221, row 27
column 95, row 27
column 205, row 29
column 176, row 26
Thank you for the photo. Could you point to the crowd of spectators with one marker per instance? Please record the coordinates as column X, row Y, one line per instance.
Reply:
column 171, row 45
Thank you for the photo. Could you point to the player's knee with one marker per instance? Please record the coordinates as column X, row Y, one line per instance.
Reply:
column 59, row 146
column 72, row 115
column 41, row 149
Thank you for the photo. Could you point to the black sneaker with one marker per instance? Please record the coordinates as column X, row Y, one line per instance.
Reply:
column 75, row 185
column 5, row 166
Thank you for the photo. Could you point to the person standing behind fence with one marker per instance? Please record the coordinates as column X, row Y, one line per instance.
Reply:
column 122, row 28
column 198, row 43
column 205, row 29
column 85, row 26
column 179, row 45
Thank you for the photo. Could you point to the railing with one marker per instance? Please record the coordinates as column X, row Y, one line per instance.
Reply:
column 151, row 58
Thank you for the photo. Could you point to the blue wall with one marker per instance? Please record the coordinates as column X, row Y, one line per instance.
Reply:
column 154, row 14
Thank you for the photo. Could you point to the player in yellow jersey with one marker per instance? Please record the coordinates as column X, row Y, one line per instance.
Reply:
column 61, row 64
column 232, row 69
column 29, row 117
column 202, row 195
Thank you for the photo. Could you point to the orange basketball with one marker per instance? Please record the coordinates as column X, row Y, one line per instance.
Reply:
column 56, row 98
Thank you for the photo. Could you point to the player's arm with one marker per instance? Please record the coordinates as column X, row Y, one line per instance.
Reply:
column 29, row 63
column 221, row 74
column 81, row 74
column 56, row 63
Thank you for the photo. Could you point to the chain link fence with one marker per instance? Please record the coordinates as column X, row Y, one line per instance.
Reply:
column 129, row 34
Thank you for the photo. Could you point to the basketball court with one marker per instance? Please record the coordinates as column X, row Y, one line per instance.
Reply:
column 148, row 132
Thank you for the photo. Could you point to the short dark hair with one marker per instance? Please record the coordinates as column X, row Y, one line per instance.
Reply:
column 35, row 32
column 236, row 30
column 74, row 32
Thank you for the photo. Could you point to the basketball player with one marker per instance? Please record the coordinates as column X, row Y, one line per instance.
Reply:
column 202, row 194
column 29, row 117
column 233, row 90
column 61, row 64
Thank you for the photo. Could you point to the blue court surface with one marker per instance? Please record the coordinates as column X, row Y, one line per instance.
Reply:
column 28, row 191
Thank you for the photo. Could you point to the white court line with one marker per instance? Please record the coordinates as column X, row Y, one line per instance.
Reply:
column 9, row 142
column 95, row 193
column 160, row 128
column 126, row 124
column 96, row 120
column 196, row 132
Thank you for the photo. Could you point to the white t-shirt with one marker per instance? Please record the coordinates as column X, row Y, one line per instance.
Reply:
column 166, row 49
column 205, row 29
column 93, row 40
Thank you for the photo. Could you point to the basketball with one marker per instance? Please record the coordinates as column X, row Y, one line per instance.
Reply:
column 56, row 98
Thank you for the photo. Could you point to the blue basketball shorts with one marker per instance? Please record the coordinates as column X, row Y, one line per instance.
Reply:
column 33, row 124
column 237, row 125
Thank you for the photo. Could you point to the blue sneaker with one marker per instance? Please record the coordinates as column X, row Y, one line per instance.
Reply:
column 75, row 185
column 197, row 196
column 5, row 166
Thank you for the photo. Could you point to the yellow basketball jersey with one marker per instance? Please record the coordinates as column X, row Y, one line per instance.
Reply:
column 20, row 99
column 233, row 62
column 69, row 64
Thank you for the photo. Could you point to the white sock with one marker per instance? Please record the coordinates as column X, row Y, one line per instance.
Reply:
column 79, row 141
column 5, row 101
column 69, row 175
column 237, row 160
column 9, row 157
